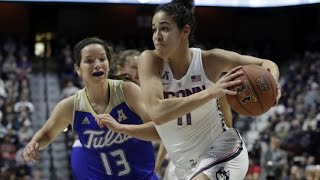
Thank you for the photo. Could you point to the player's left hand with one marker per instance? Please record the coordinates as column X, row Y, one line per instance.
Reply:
column 106, row 120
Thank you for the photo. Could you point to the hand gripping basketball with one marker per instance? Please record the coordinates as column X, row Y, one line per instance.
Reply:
column 224, row 84
column 257, row 93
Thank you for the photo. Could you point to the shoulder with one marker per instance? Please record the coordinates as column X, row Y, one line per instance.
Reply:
column 150, row 63
column 148, row 53
column 66, row 104
column 129, row 88
column 149, row 56
column 64, row 109
column 132, row 94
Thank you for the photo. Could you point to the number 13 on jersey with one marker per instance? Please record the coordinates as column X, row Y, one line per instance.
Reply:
column 121, row 162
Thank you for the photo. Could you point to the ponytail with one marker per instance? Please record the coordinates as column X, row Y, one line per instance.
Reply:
column 186, row 3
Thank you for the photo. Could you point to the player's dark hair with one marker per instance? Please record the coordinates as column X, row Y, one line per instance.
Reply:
column 181, row 13
column 87, row 41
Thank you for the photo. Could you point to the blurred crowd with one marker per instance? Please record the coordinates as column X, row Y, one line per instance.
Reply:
column 287, row 147
column 16, row 108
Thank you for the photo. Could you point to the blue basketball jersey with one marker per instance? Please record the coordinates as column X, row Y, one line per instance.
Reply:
column 78, row 161
column 111, row 155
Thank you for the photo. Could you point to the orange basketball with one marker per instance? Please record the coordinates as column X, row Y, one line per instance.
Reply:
column 257, row 93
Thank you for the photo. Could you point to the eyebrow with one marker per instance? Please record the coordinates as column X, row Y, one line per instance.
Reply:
column 164, row 22
column 89, row 56
column 161, row 23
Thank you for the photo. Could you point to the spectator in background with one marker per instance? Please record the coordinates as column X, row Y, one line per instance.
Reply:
column 3, row 92
column 24, row 103
column 254, row 170
column 10, row 66
column 3, row 129
column 282, row 127
column 69, row 89
column 11, row 122
column 297, row 173
column 8, row 151
column 273, row 160
column 127, row 64
column 68, row 68
column 24, row 68
column 23, row 171
column 25, row 132
column 12, row 89
column 2, row 106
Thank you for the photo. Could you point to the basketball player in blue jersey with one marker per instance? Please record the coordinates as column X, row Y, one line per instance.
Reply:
column 181, row 86
column 108, row 154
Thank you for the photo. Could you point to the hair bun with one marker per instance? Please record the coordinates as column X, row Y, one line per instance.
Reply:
column 187, row 3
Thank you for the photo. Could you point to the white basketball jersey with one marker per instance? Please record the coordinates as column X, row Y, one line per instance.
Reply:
column 193, row 134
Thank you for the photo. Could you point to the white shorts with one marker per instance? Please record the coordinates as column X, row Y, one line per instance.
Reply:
column 227, row 159
column 234, row 169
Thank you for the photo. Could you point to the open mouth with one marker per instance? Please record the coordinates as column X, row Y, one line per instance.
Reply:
column 98, row 73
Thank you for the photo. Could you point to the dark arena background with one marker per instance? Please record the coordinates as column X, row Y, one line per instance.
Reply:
column 36, row 68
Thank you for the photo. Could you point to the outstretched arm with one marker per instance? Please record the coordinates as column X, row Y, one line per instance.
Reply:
column 58, row 121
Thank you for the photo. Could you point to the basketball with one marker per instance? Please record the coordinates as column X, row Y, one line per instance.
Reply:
column 257, row 93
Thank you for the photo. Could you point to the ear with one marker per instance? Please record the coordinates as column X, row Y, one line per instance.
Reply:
column 186, row 30
column 77, row 69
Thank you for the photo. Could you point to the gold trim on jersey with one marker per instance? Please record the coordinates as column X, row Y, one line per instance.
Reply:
column 82, row 103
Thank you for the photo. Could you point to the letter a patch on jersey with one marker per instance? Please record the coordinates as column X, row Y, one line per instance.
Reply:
column 121, row 115
column 85, row 121
column 165, row 75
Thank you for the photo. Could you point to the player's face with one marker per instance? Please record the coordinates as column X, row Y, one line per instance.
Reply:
column 166, row 34
column 131, row 67
column 94, row 65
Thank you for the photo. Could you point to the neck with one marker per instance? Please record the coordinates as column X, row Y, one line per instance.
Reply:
column 180, row 62
column 98, row 94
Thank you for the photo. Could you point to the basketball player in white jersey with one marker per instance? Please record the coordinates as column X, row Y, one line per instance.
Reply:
column 181, row 86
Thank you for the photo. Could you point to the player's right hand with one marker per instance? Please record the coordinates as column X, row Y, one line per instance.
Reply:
column 221, row 87
column 31, row 152
column 106, row 120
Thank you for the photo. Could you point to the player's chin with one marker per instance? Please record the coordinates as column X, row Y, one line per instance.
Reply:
column 100, row 78
column 161, row 52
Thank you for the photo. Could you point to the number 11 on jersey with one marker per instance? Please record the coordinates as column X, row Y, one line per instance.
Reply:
column 188, row 119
